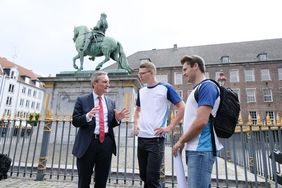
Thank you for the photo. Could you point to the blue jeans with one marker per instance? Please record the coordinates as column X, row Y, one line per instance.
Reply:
column 200, row 165
column 150, row 154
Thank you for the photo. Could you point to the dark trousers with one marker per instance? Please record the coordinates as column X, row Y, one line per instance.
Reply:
column 150, row 155
column 98, row 156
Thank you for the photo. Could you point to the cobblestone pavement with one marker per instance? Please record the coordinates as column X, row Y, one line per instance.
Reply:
column 30, row 183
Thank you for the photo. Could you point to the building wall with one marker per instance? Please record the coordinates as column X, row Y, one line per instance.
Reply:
column 260, row 107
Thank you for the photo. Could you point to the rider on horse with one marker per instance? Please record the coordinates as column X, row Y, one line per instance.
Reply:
column 97, row 33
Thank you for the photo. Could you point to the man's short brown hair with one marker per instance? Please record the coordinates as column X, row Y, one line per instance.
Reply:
column 148, row 65
column 192, row 59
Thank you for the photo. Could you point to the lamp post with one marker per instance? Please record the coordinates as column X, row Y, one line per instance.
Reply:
column 221, row 79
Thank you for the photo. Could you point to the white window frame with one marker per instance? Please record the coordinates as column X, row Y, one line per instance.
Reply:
column 265, row 75
column 280, row 74
column 249, row 75
column 178, row 78
column 267, row 95
column 234, row 75
column 251, row 95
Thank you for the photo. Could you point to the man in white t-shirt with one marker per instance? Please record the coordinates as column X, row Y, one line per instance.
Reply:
column 150, row 120
column 197, row 128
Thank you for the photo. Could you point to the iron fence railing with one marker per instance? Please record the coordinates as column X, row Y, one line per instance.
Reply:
column 42, row 149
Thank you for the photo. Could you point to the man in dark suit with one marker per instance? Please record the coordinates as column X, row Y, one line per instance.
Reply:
column 96, row 116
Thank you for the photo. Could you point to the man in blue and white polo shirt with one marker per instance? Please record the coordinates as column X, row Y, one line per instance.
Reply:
column 197, row 128
column 150, row 121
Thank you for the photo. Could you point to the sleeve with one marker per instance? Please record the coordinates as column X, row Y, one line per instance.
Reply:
column 78, row 118
column 138, row 99
column 172, row 95
column 208, row 93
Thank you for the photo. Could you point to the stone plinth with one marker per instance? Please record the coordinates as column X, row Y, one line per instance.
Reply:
column 62, row 90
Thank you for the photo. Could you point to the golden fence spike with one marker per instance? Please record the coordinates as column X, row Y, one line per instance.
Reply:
column 240, row 120
column 259, row 122
column 278, row 120
column 57, row 116
column 268, row 121
column 250, row 120
column 64, row 116
column 9, row 116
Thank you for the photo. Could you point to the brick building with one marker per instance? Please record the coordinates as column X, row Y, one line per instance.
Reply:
column 253, row 69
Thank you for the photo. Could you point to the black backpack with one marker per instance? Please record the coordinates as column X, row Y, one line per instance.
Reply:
column 228, row 111
column 5, row 163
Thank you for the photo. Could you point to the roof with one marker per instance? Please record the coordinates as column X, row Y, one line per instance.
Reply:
column 212, row 54
column 22, row 71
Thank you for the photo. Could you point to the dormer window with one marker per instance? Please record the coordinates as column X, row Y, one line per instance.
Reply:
column 262, row 56
column 37, row 83
column 225, row 59
column 27, row 80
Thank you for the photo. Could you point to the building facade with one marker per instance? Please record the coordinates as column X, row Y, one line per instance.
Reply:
column 253, row 69
column 21, row 92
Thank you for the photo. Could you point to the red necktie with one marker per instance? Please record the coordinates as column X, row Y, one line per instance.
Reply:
column 101, row 121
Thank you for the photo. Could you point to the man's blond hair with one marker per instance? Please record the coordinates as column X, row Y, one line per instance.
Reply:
column 149, row 65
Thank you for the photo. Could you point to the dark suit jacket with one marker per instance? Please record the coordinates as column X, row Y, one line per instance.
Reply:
column 86, row 129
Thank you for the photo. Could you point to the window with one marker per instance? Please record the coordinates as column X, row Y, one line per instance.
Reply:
column 225, row 59
column 234, row 75
column 12, row 75
column 264, row 73
column 267, row 95
column 29, row 92
column 39, row 95
column 280, row 74
column 177, row 78
column 161, row 78
column 34, row 93
column 21, row 102
column 207, row 75
column 9, row 101
column 32, row 105
column 7, row 112
column 11, row 88
column 237, row 90
column 253, row 115
column 38, row 106
column 23, row 90
column 251, row 95
column 27, row 103
column 180, row 93
column 262, row 57
column 249, row 75
column 271, row 115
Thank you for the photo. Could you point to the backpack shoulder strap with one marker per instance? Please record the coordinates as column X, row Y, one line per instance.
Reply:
column 196, row 93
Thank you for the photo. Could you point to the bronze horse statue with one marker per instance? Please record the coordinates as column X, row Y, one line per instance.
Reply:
column 108, row 47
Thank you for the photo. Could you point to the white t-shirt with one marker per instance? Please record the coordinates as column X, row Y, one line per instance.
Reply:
column 154, row 104
column 208, row 95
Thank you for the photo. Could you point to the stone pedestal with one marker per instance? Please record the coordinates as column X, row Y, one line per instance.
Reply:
column 61, row 91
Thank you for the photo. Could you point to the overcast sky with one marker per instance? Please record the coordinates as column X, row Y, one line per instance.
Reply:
column 37, row 34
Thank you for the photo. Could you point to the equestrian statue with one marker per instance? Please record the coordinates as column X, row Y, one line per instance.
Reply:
column 94, row 43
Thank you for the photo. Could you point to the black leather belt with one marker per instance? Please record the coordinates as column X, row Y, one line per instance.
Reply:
column 96, row 136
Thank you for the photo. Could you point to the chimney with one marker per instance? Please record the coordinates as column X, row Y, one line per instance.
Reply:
column 175, row 46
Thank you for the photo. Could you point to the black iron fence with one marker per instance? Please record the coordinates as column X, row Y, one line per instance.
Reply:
column 41, row 149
